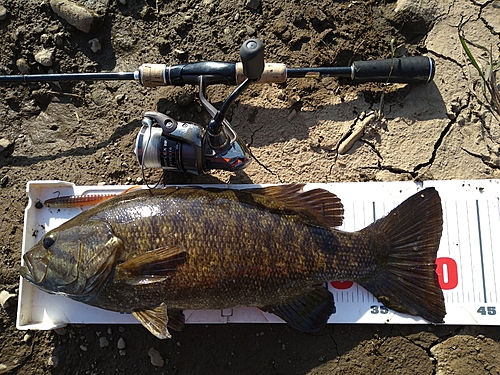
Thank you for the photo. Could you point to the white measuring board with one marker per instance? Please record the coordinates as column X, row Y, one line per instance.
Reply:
column 467, row 257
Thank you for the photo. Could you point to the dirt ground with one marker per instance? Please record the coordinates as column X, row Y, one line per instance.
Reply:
column 84, row 132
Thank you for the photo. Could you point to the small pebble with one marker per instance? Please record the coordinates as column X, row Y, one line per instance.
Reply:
column 95, row 45
column 22, row 66
column 83, row 348
column 122, row 352
column 250, row 30
column 123, row 2
column 252, row 4
column 156, row 358
column 27, row 337
column 53, row 361
column 61, row 331
column 4, row 297
column 185, row 99
column 121, row 343
column 120, row 98
column 3, row 13
column 45, row 56
column 6, row 146
column 103, row 342
column 4, row 181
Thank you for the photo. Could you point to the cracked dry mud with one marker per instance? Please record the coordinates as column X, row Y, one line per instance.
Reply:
column 85, row 132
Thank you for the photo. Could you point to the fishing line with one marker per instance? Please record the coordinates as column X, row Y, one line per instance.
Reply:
column 150, row 128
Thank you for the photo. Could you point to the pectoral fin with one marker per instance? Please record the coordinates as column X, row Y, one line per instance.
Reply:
column 151, row 267
column 308, row 313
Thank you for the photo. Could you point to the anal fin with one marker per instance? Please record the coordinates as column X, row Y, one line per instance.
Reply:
column 308, row 313
column 155, row 320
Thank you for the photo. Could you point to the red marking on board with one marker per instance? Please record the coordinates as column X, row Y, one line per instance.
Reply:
column 341, row 284
column 447, row 272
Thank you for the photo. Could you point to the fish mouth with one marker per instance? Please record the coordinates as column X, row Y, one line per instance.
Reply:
column 26, row 273
column 34, row 269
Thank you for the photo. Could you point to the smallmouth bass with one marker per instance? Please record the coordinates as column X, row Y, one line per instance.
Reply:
column 154, row 253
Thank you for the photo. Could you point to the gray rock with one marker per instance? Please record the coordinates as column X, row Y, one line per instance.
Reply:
column 22, row 66
column 252, row 4
column 103, row 342
column 250, row 30
column 4, row 181
column 100, row 95
column 121, row 343
column 61, row 331
column 416, row 17
column 95, row 45
column 156, row 358
column 76, row 15
column 4, row 297
column 3, row 13
column 6, row 147
column 53, row 361
column 45, row 56
column 185, row 99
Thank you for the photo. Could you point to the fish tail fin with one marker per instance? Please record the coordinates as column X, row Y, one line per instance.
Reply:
column 406, row 280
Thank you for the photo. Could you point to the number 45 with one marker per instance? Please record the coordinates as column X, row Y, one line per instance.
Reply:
column 490, row 310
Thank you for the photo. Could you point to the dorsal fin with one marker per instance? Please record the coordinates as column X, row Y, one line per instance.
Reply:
column 318, row 204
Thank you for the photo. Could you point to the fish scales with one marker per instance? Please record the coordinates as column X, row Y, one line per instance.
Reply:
column 157, row 252
column 243, row 251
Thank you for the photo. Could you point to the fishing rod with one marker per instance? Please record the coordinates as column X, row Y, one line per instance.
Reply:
column 173, row 145
column 415, row 69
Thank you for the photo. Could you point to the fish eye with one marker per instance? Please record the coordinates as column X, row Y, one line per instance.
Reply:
column 49, row 240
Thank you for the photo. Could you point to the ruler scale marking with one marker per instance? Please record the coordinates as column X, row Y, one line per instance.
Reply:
column 471, row 258
column 489, row 251
column 481, row 251
column 459, row 255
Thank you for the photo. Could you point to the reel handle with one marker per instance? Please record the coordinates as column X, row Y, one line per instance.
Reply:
column 252, row 57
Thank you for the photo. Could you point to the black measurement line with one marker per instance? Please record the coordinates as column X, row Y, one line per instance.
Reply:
column 374, row 216
column 481, row 249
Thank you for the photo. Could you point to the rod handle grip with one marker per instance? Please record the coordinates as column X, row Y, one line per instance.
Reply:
column 414, row 69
